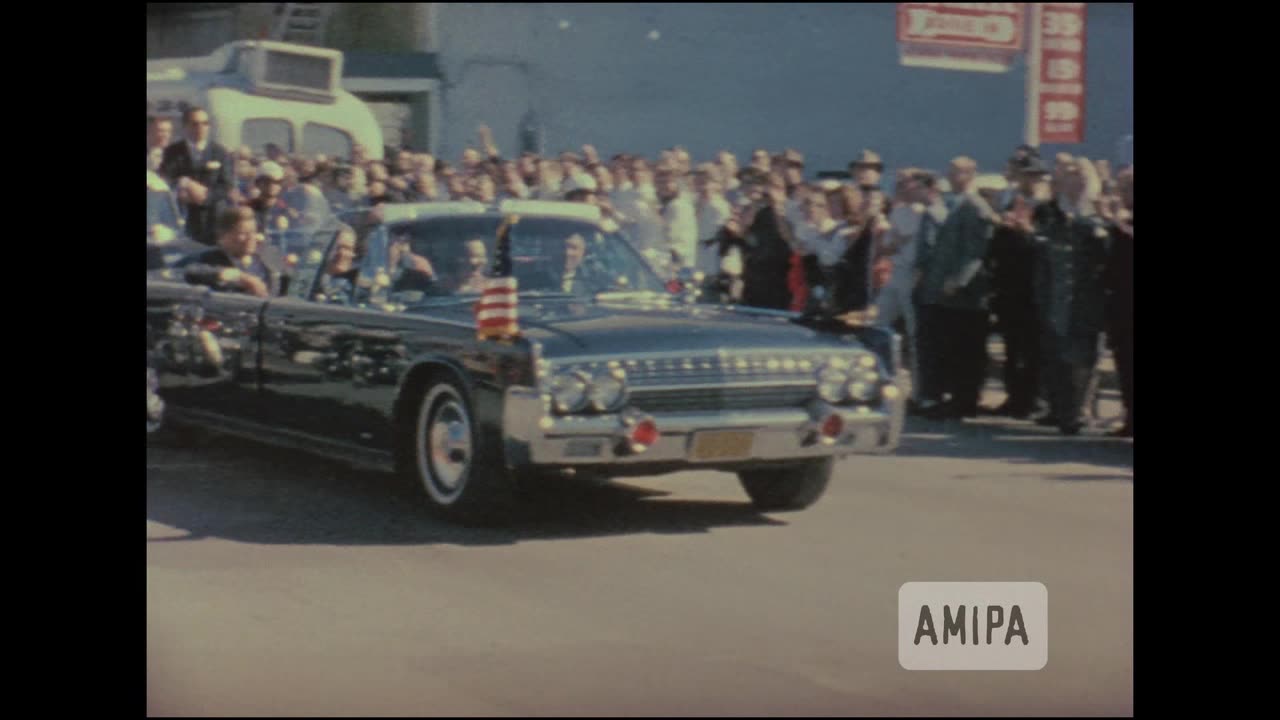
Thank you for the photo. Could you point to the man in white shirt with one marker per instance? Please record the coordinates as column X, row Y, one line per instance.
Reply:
column 819, row 234
column 729, row 182
column 638, row 204
column 900, row 245
column 679, row 220
column 713, row 211
column 159, row 135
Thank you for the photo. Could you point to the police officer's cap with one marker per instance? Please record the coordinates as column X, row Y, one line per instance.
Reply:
column 270, row 170
column 868, row 159
column 1030, row 166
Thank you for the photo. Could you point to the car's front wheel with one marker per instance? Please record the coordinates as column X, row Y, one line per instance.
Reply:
column 787, row 488
column 450, row 464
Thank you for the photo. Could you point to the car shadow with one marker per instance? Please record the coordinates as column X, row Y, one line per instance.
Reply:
column 1013, row 441
column 247, row 492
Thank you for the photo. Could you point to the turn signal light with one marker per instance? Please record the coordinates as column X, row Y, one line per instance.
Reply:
column 645, row 433
column 832, row 426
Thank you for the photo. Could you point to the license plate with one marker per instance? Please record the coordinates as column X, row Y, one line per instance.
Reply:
column 723, row 444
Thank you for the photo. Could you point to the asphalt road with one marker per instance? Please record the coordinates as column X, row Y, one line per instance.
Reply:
column 280, row 584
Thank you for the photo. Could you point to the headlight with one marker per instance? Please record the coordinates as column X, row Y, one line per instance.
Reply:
column 608, row 390
column 831, row 383
column 861, row 391
column 569, row 391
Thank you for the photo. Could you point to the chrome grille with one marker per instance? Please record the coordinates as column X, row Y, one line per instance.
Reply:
column 727, row 380
column 705, row 399
column 757, row 367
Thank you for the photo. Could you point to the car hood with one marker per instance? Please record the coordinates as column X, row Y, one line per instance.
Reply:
column 575, row 328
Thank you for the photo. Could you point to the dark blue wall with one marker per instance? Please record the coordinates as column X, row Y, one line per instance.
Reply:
column 822, row 78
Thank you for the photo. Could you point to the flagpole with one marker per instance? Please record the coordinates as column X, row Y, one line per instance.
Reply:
column 1032, row 130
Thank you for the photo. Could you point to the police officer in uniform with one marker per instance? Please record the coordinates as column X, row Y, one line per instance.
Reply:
column 1070, row 264
column 1011, row 263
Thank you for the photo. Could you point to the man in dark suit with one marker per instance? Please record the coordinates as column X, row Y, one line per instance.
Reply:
column 203, row 173
column 766, row 242
column 1070, row 295
column 928, row 386
column 239, row 263
column 955, row 287
column 1011, row 263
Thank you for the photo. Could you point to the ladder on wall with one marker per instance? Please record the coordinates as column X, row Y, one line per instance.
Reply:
column 302, row 23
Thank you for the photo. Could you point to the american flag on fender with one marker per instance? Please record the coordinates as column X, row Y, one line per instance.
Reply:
column 496, row 313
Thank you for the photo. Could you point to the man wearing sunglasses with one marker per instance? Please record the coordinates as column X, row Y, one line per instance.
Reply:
column 268, row 207
column 203, row 173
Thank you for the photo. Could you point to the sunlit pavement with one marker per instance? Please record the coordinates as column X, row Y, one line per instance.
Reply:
column 281, row 584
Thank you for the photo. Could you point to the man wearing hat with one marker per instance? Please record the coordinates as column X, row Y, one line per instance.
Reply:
column 1011, row 263
column 202, row 171
column 954, row 288
column 268, row 207
column 1013, row 170
column 1069, row 288
column 579, row 188
column 866, row 169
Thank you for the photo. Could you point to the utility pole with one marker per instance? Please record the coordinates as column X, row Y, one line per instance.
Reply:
column 1032, row 131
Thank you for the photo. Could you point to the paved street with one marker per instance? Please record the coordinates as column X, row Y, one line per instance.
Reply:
column 278, row 584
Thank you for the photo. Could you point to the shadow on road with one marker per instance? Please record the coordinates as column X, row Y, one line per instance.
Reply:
column 1014, row 442
column 238, row 490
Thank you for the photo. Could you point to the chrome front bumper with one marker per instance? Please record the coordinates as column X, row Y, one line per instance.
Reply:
column 533, row 436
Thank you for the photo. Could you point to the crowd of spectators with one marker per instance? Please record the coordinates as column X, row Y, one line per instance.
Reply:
column 1040, row 254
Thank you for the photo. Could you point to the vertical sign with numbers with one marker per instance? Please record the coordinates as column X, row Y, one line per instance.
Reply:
column 1056, row 74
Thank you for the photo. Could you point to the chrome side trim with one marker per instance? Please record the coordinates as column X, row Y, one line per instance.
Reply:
column 306, row 442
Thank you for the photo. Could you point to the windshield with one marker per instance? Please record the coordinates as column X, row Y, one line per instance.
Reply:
column 449, row 257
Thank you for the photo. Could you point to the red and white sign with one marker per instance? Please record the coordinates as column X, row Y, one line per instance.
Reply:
column 983, row 37
column 1056, row 74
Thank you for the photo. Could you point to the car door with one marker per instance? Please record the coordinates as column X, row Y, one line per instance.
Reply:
column 312, row 358
column 171, row 311
column 202, row 344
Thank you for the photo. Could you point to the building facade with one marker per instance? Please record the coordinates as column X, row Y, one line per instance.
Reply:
column 823, row 78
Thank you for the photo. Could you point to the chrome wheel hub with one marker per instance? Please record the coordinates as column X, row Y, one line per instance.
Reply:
column 449, row 445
